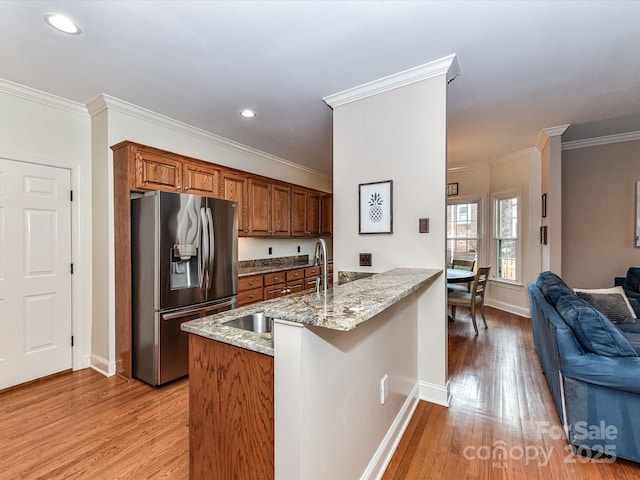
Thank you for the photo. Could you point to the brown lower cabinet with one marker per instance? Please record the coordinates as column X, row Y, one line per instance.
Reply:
column 256, row 288
column 250, row 290
column 231, row 413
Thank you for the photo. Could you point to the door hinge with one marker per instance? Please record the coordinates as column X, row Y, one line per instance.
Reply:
column 71, row 195
column 72, row 340
column 72, row 269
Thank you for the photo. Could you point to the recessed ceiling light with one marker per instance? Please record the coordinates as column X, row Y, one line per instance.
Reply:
column 247, row 113
column 62, row 23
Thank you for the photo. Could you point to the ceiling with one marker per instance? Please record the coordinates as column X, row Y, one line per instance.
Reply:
column 525, row 65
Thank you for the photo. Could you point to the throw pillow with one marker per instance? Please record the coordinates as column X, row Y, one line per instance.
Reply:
column 632, row 280
column 593, row 330
column 612, row 302
column 552, row 287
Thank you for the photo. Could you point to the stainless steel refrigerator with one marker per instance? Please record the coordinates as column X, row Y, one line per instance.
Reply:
column 184, row 259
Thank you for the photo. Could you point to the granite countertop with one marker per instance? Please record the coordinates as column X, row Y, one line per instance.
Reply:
column 247, row 271
column 261, row 269
column 344, row 308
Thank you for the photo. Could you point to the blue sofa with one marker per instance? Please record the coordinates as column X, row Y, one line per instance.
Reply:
column 592, row 368
column 631, row 286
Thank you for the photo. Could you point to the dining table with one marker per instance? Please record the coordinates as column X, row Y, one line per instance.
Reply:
column 459, row 275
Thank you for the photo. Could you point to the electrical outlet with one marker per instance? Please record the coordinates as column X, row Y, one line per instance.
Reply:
column 384, row 389
column 365, row 259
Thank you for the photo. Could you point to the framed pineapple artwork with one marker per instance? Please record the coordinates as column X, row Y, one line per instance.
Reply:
column 376, row 207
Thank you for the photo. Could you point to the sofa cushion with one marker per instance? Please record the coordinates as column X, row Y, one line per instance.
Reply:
column 552, row 287
column 612, row 302
column 595, row 332
column 632, row 280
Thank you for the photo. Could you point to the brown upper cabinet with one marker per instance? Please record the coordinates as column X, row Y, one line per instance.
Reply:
column 266, row 207
column 327, row 216
column 305, row 212
column 259, row 207
column 157, row 172
column 280, row 210
column 235, row 186
column 200, row 180
column 269, row 208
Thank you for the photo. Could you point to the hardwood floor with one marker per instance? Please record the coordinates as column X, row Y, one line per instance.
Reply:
column 502, row 422
column 85, row 426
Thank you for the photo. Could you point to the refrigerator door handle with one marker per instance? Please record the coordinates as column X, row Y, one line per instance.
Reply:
column 211, row 253
column 204, row 250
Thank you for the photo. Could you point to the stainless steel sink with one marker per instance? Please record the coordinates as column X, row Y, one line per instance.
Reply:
column 254, row 322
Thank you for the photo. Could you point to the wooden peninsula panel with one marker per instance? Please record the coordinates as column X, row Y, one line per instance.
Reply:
column 231, row 412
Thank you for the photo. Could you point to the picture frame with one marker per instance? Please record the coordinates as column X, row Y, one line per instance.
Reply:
column 375, row 207
column 544, row 205
column 452, row 189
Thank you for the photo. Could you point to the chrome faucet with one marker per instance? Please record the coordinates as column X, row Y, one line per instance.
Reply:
column 320, row 259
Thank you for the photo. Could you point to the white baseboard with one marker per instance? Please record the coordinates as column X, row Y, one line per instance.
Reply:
column 102, row 365
column 433, row 393
column 387, row 447
column 507, row 307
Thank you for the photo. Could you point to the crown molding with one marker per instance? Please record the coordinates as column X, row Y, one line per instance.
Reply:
column 554, row 131
column 106, row 102
column 547, row 133
column 467, row 168
column 604, row 140
column 445, row 66
column 525, row 152
column 43, row 98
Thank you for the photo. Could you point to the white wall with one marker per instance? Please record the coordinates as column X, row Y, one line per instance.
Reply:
column 115, row 121
column 398, row 135
column 519, row 173
column 329, row 421
column 256, row 248
column 551, row 185
column 38, row 128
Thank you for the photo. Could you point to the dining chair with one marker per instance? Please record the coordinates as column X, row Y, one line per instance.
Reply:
column 465, row 265
column 472, row 299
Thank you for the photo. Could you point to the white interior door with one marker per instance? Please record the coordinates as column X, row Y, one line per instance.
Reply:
column 35, row 276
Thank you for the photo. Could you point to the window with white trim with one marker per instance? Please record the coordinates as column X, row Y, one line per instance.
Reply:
column 506, row 236
column 463, row 230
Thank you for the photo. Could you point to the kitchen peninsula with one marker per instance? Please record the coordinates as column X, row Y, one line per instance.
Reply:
column 324, row 395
